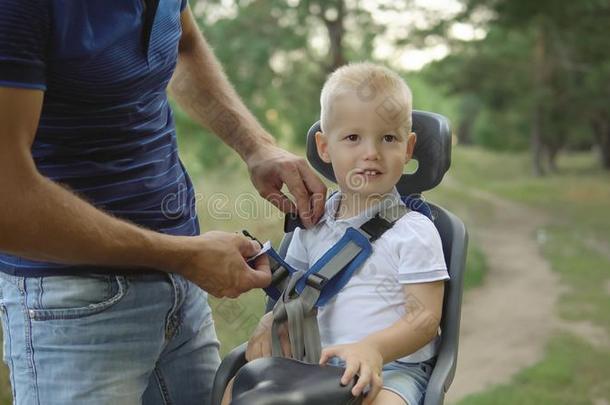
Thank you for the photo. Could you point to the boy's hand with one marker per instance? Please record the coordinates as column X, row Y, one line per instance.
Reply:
column 362, row 359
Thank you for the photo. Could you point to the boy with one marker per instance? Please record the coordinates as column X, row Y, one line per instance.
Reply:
column 383, row 325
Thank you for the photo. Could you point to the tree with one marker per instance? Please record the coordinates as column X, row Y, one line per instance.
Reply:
column 545, row 61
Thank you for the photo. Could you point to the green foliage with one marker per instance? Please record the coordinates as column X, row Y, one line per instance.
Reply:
column 506, row 131
column 546, row 62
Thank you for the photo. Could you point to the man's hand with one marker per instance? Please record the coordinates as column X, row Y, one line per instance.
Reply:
column 216, row 262
column 271, row 167
column 259, row 344
column 360, row 358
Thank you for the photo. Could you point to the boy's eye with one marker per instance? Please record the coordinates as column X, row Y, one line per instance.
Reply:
column 352, row 137
column 389, row 138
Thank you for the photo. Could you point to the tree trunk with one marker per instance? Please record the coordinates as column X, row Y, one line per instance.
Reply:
column 537, row 148
column 464, row 131
column 601, row 128
column 470, row 107
column 336, row 31
column 552, row 152
column 540, row 79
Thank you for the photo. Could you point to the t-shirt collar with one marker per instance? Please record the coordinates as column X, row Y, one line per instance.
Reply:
column 332, row 205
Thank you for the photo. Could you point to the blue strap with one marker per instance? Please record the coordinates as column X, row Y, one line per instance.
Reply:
column 336, row 283
column 272, row 290
column 419, row 205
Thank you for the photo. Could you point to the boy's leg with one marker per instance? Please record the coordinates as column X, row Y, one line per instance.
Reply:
column 76, row 340
column 185, row 371
column 386, row 397
column 404, row 383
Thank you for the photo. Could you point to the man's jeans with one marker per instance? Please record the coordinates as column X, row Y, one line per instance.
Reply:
column 105, row 339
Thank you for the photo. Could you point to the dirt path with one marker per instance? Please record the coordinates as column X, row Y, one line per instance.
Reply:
column 506, row 322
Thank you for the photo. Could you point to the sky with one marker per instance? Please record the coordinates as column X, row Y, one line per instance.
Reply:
column 411, row 58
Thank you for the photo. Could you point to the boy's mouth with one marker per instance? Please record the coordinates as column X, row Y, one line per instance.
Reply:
column 370, row 172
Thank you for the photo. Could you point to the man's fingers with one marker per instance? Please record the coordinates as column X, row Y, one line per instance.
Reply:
column 317, row 190
column 294, row 182
column 261, row 263
column 246, row 246
column 280, row 201
column 260, row 275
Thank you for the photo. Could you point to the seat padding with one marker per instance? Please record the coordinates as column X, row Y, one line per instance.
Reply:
column 282, row 381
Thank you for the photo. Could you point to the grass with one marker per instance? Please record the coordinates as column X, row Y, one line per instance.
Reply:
column 571, row 372
column 475, row 267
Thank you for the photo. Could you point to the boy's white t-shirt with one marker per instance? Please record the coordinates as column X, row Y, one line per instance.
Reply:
column 373, row 299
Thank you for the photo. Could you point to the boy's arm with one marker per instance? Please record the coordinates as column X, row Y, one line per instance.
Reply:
column 366, row 358
column 424, row 305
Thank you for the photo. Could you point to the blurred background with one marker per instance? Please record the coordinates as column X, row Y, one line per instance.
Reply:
column 527, row 87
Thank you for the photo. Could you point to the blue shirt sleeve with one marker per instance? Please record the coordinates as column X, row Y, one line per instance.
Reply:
column 183, row 5
column 24, row 36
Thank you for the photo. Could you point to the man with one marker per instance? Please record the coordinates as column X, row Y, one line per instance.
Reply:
column 101, row 250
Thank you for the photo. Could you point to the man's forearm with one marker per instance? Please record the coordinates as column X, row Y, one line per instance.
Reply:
column 43, row 221
column 201, row 88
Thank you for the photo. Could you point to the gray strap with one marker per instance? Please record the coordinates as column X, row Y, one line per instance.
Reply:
column 311, row 337
column 301, row 316
column 295, row 314
column 280, row 314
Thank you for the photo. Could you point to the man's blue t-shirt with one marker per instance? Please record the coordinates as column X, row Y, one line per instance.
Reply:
column 106, row 129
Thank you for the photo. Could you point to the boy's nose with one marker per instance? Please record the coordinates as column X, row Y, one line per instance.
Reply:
column 371, row 152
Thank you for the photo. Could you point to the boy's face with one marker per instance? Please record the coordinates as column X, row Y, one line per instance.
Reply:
column 366, row 144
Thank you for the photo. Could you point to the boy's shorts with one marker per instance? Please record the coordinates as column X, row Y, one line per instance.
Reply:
column 407, row 380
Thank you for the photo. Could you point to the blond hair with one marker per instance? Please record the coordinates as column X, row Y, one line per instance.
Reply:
column 369, row 82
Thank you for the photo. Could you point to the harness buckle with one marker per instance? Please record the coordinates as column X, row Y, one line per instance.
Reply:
column 316, row 281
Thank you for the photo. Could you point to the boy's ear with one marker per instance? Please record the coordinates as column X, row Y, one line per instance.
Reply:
column 322, row 146
column 411, row 141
